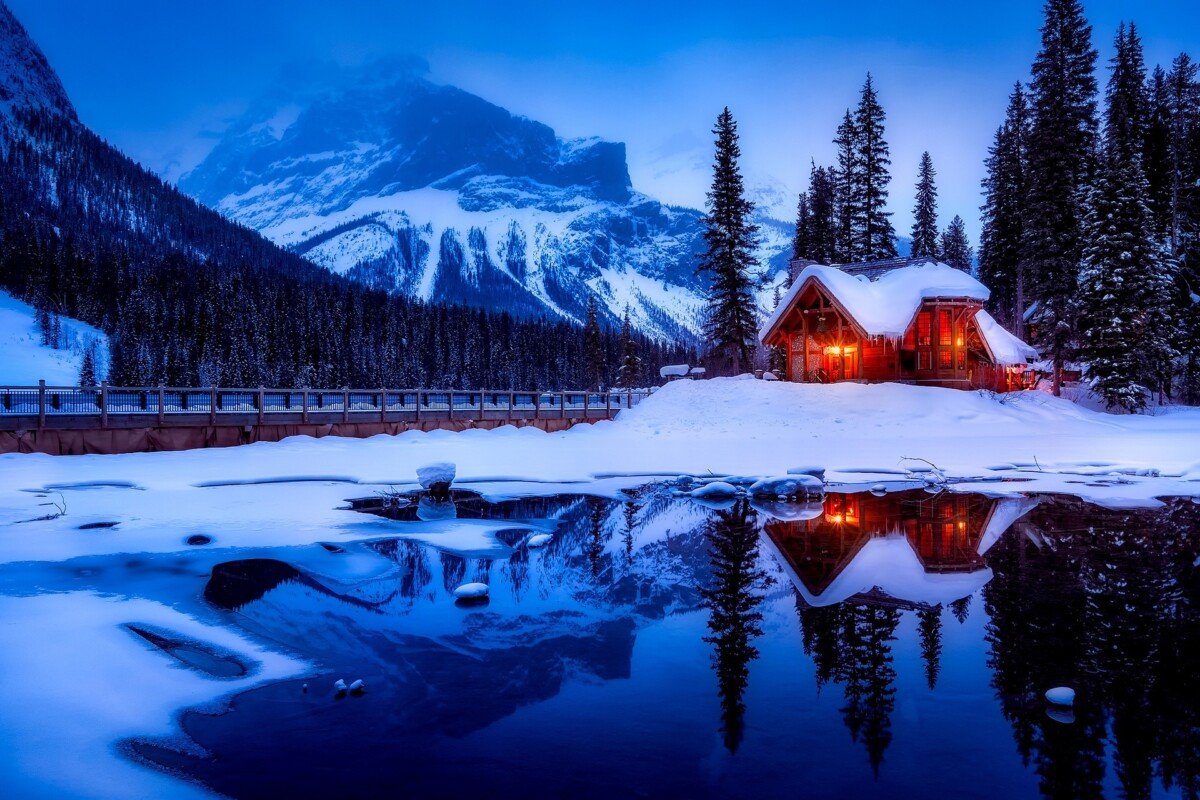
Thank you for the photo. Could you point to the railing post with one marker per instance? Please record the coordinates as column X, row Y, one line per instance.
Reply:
column 629, row 397
column 212, row 405
column 103, row 405
column 382, row 404
column 417, row 392
column 608, row 404
column 481, row 397
column 587, row 396
column 512, row 399
column 345, row 405
column 537, row 405
column 41, row 404
column 304, row 406
column 161, row 400
column 261, row 405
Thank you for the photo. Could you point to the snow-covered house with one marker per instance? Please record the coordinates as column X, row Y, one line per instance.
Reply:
column 907, row 320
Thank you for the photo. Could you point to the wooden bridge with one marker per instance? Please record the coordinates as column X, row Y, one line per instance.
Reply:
column 109, row 419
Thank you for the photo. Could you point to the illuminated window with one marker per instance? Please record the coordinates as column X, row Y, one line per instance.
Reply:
column 945, row 332
column 925, row 328
column 944, row 359
column 924, row 359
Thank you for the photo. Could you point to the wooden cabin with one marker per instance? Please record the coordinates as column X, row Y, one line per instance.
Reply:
column 904, row 320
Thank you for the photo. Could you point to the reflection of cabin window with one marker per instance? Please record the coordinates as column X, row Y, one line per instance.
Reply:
column 924, row 359
column 962, row 359
column 924, row 328
column 944, row 359
column 945, row 332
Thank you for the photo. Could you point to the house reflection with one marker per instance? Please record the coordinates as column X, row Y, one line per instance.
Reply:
column 910, row 549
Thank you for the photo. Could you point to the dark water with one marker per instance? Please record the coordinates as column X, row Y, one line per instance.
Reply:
column 867, row 647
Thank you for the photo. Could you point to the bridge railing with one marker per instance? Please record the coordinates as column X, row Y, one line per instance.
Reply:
column 126, row 406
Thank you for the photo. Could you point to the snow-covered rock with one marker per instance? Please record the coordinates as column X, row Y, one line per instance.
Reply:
column 816, row 472
column 879, row 489
column 358, row 687
column 1061, row 695
column 715, row 490
column 539, row 540
column 436, row 476
column 787, row 486
column 471, row 591
column 770, row 376
column 339, row 686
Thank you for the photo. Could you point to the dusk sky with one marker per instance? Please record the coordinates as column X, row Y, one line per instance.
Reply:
column 162, row 80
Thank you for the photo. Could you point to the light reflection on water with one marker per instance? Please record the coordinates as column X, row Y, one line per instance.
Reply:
column 866, row 646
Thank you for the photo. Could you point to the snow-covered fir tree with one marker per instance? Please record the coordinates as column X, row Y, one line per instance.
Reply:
column 1126, row 283
column 593, row 348
column 820, row 236
column 955, row 248
column 87, row 367
column 1000, row 266
column 1182, row 216
column 801, row 245
column 925, row 228
column 630, row 372
column 1061, row 147
column 844, row 188
column 730, row 323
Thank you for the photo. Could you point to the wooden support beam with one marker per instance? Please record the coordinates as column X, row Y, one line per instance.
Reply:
column 41, row 404
column 161, row 401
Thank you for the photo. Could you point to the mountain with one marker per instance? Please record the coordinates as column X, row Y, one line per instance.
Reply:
column 188, row 297
column 428, row 191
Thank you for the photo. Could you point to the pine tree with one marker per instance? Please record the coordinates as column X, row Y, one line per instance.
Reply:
column 822, row 236
column 1183, row 214
column 631, row 365
column 872, row 230
column 955, row 248
column 801, row 241
column 730, row 318
column 593, row 348
column 1126, row 280
column 844, row 189
column 1062, row 97
column 1156, row 150
column 925, row 229
column 1000, row 265
column 87, row 368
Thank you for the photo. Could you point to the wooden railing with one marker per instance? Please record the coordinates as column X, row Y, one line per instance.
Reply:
column 104, row 406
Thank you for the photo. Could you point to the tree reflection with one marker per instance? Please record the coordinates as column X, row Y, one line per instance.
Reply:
column 733, row 598
column 929, row 624
column 1105, row 602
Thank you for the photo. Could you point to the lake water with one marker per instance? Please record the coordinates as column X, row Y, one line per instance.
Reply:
column 895, row 646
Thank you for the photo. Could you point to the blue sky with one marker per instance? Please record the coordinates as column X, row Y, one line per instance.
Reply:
column 162, row 79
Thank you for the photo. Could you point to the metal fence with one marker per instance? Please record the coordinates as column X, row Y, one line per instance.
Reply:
column 104, row 404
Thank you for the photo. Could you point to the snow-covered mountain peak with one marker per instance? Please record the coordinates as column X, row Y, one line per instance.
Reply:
column 26, row 80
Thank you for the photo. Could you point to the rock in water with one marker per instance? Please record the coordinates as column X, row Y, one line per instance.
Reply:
column 816, row 472
column 802, row 485
column 539, row 540
column 339, row 686
column 879, row 490
column 471, row 591
column 1061, row 696
column 436, row 478
column 358, row 687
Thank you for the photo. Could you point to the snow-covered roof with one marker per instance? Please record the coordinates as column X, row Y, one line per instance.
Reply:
column 885, row 306
column 1005, row 348
column 673, row 371
column 698, row 370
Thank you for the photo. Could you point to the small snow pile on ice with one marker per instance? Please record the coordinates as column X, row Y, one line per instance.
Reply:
column 471, row 591
column 770, row 376
column 787, row 486
column 358, row 687
column 539, row 540
column 816, row 472
column 1061, row 696
column 339, row 686
column 436, row 476
column 715, row 490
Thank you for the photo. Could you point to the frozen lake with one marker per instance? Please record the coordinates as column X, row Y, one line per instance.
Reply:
column 657, row 646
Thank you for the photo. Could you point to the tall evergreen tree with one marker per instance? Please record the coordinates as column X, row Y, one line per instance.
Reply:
column 1156, row 150
column 955, row 248
column 801, row 241
column 822, row 206
column 1000, row 265
column 593, row 348
column 1183, row 214
column 872, row 231
column 87, row 367
column 631, row 364
column 844, row 189
column 925, row 228
column 730, row 316
column 1062, row 139
column 1126, row 338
